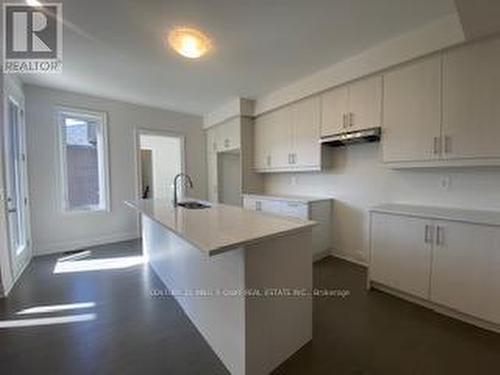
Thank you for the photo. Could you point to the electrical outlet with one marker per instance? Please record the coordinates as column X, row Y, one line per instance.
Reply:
column 445, row 183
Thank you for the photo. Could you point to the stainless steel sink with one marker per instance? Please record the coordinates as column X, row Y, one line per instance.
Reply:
column 193, row 205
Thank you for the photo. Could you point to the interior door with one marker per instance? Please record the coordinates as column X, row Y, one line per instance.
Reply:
column 465, row 269
column 16, row 184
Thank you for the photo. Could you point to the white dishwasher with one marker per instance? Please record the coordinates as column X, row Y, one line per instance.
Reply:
column 306, row 208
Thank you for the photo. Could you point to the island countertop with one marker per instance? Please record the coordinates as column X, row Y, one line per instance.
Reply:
column 220, row 227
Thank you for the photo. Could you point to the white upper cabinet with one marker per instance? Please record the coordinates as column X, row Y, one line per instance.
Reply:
column 471, row 101
column 352, row 107
column 288, row 139
column 281, row 137
column 334, row 109
column 306, row 133
column 262, row 144
column 227, row 135
column 365, row 104
column 412, row 112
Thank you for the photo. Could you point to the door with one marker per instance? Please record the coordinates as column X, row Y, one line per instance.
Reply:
column 334, row 108
column 16, row 184
column 412, row 112
column 465, row 269
column 365, row 103
column 471, row 104
column 401, row 253
column 306, row 133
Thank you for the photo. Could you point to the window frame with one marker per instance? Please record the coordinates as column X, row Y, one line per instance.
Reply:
column 102, row 157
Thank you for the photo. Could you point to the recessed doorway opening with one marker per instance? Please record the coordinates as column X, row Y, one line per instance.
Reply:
column 160, row 157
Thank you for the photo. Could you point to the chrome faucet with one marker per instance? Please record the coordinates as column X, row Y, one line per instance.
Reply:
column 176, row 178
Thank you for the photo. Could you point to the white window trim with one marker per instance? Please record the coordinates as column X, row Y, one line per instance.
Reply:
column 103, row 159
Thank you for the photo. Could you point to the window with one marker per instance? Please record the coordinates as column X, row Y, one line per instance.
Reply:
column 84, row 162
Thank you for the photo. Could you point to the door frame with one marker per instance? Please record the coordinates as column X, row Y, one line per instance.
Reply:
column 138, row 131
column 13, row 93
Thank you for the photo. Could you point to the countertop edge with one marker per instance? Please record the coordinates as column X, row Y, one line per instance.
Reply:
column 226, row 248
column 454, row 214
column 290, row 198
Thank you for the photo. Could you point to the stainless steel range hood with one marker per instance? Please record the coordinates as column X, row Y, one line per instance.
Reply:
column 359, row 136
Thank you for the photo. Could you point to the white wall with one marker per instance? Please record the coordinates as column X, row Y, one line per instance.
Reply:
column 357, row 181
column 166, row 160
column 55, row 231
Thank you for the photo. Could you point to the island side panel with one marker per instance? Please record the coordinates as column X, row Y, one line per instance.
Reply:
column 278, row 326
column 182, row 267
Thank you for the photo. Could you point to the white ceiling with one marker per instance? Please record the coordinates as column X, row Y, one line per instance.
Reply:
column 116, row 49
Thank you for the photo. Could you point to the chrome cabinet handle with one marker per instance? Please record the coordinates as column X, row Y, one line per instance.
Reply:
column 12, row 210
column 429, row 234
column 447, row 144
column 439, row 235
column 351, row 119
column 295, row 158
column 268, row 160
column 344, row 120
column 437, row 145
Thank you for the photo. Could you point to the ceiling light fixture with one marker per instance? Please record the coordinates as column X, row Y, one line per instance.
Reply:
column 189, row 42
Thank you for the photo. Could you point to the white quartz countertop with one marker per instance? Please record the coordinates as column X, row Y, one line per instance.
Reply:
column 220, row 227
column 443, row 213
column 288, row 198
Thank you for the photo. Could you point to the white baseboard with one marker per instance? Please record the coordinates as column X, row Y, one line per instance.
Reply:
column 60, row 247
column 349, row 259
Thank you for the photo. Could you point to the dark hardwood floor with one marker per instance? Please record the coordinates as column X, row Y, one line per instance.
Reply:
column 126, row 330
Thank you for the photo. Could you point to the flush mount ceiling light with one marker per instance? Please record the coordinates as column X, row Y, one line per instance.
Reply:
column 189, row 42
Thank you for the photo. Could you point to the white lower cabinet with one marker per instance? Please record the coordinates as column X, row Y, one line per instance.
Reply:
column 401, row 253
column 466, row 269
column 452, row 264
column 316, row 210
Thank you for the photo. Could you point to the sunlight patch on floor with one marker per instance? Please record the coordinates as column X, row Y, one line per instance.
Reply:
column 47, row 321
column 55, row 308
column 97, row 264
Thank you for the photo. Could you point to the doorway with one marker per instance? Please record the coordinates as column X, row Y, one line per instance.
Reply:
column 160, row 157
column 16, row 186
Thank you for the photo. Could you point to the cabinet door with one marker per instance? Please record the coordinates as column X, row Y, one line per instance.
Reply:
column 306, row 133
column 262, row 152
column 334, row 108
column 365, row 104
column 280, row 138
column 228, row 135
column 412, row 112
column 465, row 269
column 400, row 255
column 471, row 101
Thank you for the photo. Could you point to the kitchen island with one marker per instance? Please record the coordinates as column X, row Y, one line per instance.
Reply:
column 242, row 277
